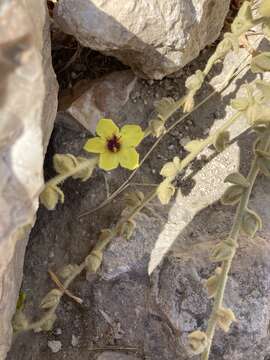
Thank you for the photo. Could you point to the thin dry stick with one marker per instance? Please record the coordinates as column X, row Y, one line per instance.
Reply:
column 63, row 289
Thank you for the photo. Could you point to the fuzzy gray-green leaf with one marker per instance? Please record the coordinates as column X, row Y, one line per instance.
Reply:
column 19, row 321
column 266, row 28
column 237, row 179
column 222, row 140
column 232, row 195
column 260, row 63
column 264, row 165
column 164, row 107
column 51, row 299
column 64, row 163
column 68, row 270
column 251, row 222
column 48, row 324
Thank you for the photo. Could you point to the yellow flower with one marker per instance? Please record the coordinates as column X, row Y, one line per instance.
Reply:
column 115, row 146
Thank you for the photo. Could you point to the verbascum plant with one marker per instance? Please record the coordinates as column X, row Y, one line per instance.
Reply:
column 114, row 147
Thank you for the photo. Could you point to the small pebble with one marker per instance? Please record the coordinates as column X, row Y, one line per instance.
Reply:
column 171, row 147
column 74, row 340
column 58, row 331
column 55, row 345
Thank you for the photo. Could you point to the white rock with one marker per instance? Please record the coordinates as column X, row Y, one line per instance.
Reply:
column 55, row 345
column 102, row 97
column 74, row 340
column 154, row 37
column 28, row 101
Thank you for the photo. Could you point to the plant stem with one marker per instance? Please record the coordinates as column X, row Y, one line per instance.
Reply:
column 226, row 265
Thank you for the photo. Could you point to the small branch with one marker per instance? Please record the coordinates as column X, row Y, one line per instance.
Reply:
column 63, row 289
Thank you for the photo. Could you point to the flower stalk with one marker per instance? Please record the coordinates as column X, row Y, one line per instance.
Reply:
column 234, row 233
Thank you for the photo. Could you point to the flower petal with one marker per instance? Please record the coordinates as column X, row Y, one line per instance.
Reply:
column 108, row 160
column 106, row 128
column 95, row 145
column 129, row 158
column 131, row 135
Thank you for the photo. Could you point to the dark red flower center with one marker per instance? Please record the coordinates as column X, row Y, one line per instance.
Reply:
column 113, row 144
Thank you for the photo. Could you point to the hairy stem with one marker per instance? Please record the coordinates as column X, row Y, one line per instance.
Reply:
column 226, row 265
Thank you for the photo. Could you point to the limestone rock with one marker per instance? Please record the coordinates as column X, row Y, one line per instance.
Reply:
column 104, row 97
column 155, row 38
column 55, row 345
column 28, row 101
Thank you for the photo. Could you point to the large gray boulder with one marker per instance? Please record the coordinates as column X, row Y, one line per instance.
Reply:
column 28, row 102
column 155, row 38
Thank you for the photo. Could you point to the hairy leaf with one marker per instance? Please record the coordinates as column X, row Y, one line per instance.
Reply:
column 264, row 87
column 212, row 283
column 126, row 229
column 68, row 270
column 193, row 145
column 260, row 63
column 19, row 321
column 232, row 195
column 195, row 81
column 240, row 104
column 223, row 250
column 263, row 161
column 243, row 20
column 51, row 299
column 251, row 222
column 264, row 166
column 225, row 317
column 170, row 169
column 86, row 173
column 50, row 196
column 164, row 107
column 134, row 198
column 197, row 341
column 64, row 163
column 266, row 28
column 48, row 324
column 157, row 127
column 165, row 191
column 264, row 8
column 237, row 179
column 93, row 261
column 222, row 141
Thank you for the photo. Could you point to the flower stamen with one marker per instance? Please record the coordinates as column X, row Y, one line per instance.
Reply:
column 113, row 144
